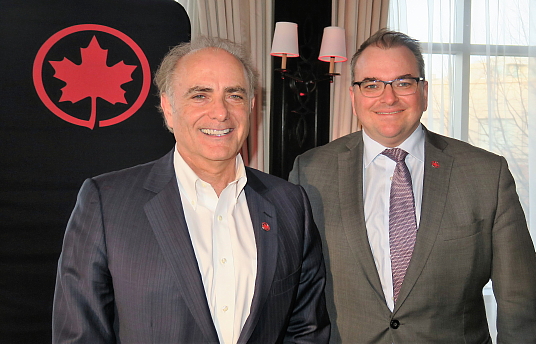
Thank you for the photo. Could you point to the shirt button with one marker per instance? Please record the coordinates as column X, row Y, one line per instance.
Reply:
column 223, row 260
column 220, row 218
column 225, row 309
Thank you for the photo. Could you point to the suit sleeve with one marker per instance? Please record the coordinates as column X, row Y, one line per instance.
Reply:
column 513, row 267
column 83, row 309
column 309, row 322
column 294, row 174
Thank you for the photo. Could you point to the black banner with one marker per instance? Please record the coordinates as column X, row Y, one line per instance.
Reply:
column 76, row 100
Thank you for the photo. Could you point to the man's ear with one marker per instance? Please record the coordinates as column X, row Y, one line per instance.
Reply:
column 167, row 109
column 352, row 99
column 425, row 95
column 252, row 104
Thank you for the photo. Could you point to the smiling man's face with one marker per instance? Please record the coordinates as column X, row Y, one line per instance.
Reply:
column 210, row 107
column 388, row 119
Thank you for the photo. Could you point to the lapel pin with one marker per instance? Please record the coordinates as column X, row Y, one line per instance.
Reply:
column 265, row 226
column 435, row 164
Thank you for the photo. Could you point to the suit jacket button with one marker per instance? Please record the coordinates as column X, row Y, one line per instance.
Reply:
column 395, row 324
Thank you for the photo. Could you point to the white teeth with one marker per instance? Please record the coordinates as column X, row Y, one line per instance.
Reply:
column 388, row 113
column 216, row 132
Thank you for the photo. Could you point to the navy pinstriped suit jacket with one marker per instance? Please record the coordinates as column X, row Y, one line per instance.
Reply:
column 128, row 272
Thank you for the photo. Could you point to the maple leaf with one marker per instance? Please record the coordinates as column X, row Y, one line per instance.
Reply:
column 92, row 78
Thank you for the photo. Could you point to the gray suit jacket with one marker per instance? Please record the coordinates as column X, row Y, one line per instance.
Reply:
column 472, row 228
column 128, row 272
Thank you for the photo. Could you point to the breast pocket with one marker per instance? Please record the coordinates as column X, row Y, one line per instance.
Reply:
column 285, row 284
column 460, row 232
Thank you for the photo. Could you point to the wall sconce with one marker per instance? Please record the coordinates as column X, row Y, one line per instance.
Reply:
column 333, row 48
column 285, row 44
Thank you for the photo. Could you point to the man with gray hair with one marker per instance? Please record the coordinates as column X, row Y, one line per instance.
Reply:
column 194, row 247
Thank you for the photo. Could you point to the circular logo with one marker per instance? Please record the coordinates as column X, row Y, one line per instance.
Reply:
column 92, row 78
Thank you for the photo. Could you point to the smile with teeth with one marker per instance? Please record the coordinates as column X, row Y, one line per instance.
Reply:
column 215, row 132
column 388, row 113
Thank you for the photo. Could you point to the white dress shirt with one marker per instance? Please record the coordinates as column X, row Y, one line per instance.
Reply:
column 377, row 173
column 224, row 243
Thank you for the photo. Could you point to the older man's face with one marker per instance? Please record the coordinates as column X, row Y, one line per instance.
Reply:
column 209, row 112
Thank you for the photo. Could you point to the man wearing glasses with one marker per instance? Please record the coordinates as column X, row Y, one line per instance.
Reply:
column 415, row 224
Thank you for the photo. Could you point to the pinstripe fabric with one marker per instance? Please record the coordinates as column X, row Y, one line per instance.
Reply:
column 402, row 221
column 128, row 273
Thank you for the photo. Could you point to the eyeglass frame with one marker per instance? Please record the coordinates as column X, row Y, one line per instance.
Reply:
column 390, row 82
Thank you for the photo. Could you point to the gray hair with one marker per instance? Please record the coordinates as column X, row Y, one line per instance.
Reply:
column 386, row 39
column 164, row 75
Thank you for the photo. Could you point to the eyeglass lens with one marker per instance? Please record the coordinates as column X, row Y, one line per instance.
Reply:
column 375, row 88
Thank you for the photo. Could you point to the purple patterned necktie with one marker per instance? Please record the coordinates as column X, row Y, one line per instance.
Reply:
column 402, row 220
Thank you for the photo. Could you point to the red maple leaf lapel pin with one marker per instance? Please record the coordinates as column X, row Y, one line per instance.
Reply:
column 93, row 78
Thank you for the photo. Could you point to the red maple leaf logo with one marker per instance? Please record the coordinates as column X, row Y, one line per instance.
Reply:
column 93, row 78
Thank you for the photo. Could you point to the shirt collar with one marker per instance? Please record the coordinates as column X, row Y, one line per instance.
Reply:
column 414, row 145
column 188, row 179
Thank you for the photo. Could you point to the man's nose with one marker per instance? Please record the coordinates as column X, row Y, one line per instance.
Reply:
column 389, row 96
column 220, row 110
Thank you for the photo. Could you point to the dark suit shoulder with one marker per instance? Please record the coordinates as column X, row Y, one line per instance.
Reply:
column 263, row 182
column 125, row 173
column 163, row 165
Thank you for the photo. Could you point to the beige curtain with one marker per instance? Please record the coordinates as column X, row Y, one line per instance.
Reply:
column 360, row 19
column 247, row 22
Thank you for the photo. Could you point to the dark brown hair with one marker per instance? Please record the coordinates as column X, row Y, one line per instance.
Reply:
column 386, row 39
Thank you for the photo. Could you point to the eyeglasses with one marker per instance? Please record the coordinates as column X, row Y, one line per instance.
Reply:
column 375, row 88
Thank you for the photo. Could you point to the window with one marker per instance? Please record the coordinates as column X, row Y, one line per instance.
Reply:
column 480, row 60
column 481, row 65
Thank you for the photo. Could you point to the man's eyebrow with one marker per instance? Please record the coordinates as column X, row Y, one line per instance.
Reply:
column 405, row 76
column 235, row 89
column 204, row 89
column 199, row 89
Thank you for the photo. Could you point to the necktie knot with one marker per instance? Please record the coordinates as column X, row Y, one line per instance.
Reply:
column 395, row 154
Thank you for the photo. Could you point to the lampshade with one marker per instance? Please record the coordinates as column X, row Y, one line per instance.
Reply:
column 333, row 45
column 285, row 40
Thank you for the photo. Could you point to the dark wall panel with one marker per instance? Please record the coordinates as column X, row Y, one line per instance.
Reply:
column 300, row 101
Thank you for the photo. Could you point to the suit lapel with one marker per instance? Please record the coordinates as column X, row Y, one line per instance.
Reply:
column 352, row 211
column 261, row 211
column 437, row 170
column 166, row 216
